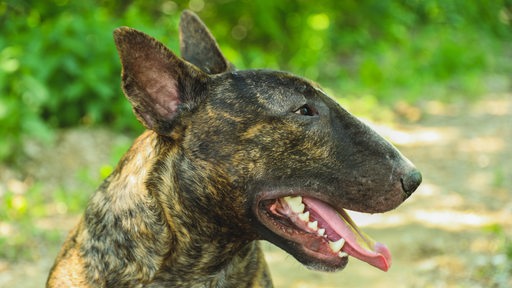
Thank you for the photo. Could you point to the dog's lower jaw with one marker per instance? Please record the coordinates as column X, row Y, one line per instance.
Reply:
column 316, row 234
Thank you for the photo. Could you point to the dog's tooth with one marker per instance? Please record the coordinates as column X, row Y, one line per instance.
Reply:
column 342, row 254
column 295, row 203
column 304, row 216
column 320, row 232
column 293, row 199
column 313, row 225
column 298, row 208
column 337, row 245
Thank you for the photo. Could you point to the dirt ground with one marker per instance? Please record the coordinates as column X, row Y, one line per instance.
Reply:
column 441, row 237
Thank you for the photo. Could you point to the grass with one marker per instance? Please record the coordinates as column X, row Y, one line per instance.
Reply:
column 496, row 270
column 20, row 238
column 30, row 211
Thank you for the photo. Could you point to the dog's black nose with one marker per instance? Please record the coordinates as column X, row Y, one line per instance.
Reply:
column 411, row 181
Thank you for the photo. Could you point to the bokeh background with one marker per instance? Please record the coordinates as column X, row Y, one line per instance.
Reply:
column 433, row 76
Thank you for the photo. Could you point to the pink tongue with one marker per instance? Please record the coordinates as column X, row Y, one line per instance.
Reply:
column 358, row 244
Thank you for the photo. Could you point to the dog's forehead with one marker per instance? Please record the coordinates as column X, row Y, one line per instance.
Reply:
column 267, row 86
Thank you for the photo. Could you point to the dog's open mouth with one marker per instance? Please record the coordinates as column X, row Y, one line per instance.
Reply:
column 327, row 235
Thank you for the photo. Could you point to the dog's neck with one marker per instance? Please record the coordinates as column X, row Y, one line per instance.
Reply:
column 140, row 203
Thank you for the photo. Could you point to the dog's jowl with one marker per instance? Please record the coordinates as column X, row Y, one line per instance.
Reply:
column 229, row 158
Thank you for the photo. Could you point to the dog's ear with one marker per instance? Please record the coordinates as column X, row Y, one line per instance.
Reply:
column 159, row 85
column 198, row 46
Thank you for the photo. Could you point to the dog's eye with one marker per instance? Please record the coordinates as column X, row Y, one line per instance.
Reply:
column 305, row 110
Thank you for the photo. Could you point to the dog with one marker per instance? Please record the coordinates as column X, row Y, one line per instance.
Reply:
column 229, row 158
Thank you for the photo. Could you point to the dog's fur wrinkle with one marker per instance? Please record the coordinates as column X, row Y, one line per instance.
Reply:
column 125, row 226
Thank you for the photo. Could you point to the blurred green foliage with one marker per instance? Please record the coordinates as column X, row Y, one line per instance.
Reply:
column 24, row 240
column 27, row 205
column 59, row 67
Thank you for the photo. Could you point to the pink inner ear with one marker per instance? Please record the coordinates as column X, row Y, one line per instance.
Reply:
column 163, row 93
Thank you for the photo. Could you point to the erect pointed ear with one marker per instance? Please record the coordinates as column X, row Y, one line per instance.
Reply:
column 198, row 46
column 159, row 85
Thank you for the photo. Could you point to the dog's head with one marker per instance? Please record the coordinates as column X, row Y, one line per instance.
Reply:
column 290, row 157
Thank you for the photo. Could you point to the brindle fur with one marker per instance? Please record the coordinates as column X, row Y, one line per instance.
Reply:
column 177, row 211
